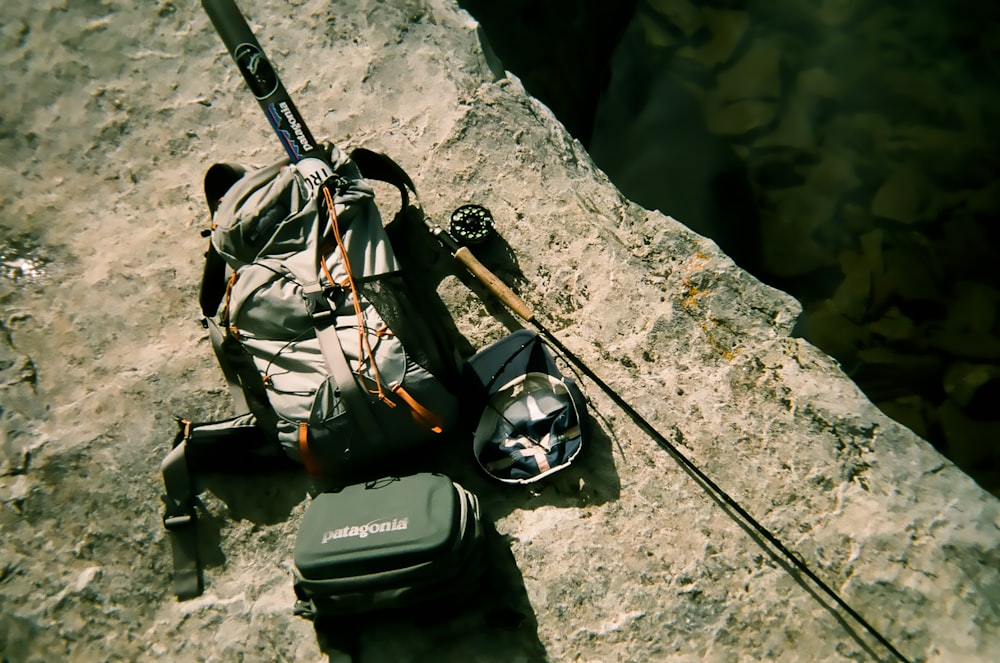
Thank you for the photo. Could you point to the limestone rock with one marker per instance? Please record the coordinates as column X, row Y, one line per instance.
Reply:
column 118, row 108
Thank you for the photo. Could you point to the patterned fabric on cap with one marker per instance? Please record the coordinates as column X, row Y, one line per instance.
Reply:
column 531, row 423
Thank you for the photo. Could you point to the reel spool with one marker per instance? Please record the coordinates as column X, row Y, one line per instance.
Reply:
column 471, row 224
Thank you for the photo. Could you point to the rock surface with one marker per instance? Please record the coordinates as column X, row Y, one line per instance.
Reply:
column 116, row 112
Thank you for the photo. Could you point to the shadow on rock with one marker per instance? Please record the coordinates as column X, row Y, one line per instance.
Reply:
column 493, row 621
column 427, row 263
column 591, row 480
column 262, row 499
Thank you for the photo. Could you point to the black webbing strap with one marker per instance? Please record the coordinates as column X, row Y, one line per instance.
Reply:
column 229, row 371
column 358, row 402
column 213, row 282
column 219, row 178
column 180, row 521
column 377, row 166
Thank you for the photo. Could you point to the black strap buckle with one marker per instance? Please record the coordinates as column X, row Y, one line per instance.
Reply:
column 318, row 297
column 177, row 515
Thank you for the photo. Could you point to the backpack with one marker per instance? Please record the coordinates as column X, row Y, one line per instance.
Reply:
column 316, row 334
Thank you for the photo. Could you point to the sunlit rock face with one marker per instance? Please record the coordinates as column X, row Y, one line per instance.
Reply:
column 117, row 109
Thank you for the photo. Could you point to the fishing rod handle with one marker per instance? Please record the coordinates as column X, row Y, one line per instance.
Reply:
column 493, row 283
column 263, row 80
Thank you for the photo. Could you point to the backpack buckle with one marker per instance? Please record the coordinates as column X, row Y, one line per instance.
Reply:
column 318, row 297
column 177, row 522
column 176, row 515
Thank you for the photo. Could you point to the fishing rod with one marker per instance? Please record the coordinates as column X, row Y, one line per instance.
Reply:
column 262, row 79
column 308, row 157
column 523, row 310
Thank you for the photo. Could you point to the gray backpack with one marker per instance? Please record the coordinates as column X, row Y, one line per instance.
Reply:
column 316, row 333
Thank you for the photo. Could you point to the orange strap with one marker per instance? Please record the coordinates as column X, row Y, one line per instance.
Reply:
column 308, row 460
column 420, row 414
column 364, row 347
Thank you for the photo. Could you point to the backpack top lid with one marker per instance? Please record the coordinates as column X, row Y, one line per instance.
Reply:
column 268, row 213
column 532, row 423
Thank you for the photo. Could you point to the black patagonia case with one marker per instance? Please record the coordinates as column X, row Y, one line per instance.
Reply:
column 387, row 544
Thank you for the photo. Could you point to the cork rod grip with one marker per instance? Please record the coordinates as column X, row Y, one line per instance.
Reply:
column 494, row 284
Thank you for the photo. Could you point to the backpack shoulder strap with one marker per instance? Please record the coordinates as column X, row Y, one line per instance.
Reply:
column 179, row 518
column 219, row 178
column 377, row 166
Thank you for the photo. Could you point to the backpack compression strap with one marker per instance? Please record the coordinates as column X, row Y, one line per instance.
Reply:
column 179, row 517
column 234, row 445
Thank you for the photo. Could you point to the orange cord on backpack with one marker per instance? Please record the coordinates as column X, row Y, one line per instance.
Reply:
column 224, row 313
column 364, row 347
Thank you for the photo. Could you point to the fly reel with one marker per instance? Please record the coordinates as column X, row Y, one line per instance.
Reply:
column 471, row 224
